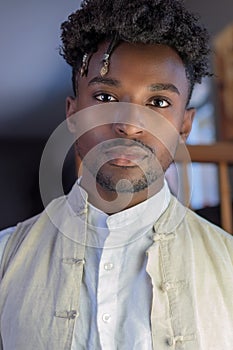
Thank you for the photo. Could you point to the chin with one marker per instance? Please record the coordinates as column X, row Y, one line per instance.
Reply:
column 127, row 183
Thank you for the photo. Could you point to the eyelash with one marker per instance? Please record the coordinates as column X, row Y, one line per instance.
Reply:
column 157, row 99
column 97, row 97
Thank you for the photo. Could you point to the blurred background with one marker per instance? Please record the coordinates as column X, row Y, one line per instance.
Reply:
column 34, row 82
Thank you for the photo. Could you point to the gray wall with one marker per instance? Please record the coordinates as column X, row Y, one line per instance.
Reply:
column 214, row 14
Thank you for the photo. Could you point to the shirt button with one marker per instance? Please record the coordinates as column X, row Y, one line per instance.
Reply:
column 108, row 266
column 106, row 318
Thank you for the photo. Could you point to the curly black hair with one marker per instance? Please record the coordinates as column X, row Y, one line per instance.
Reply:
column 165, row 22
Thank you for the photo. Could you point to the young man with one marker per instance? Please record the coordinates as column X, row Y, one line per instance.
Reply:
column 120, row 263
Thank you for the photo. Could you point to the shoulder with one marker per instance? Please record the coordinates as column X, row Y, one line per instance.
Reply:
column 203, row 225
column 10, row 235
column 192, row 228
column 208, row 240
column 4, row 237
column 197, row 240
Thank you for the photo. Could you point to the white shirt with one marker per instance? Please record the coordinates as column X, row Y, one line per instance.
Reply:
column 115, row 278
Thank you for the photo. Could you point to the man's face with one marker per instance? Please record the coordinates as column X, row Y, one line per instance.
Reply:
column 150, row 76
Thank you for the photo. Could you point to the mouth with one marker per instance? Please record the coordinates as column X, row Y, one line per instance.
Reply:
column 126, row 156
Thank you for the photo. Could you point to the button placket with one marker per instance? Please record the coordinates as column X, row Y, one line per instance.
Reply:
column 108, row 266
column 106, row 297
column 106, row 318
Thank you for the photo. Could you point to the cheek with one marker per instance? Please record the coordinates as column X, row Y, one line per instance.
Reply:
column 85, row 143
column 176, row 123
column 92, row 138
column 165, row 144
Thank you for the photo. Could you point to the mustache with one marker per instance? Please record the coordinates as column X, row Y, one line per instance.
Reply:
column 126, row 143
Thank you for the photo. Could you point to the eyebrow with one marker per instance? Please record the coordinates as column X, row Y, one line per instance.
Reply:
column 105, row 81
column 162, row 87
column 116, row 83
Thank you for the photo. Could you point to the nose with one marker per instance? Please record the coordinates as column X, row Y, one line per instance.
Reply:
column 130, row 130
column 129, row 120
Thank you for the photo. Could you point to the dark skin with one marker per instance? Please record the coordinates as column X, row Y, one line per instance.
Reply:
column 151, row 76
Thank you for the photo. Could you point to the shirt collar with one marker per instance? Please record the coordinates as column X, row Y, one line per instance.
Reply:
column 128, row 225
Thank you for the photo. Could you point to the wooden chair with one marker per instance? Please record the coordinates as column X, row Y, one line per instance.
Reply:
column 220, row 153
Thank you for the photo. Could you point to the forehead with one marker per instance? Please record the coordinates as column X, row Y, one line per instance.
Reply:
column 138, row 63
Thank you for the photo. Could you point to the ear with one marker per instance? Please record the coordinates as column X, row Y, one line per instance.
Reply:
column 187, row 123
column 71, row 109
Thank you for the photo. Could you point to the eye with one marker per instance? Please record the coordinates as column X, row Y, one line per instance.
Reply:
column 159, row 102
column 103, row 97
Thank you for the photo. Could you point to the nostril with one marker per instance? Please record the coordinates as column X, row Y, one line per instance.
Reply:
column 127, row 129
column 121, row 130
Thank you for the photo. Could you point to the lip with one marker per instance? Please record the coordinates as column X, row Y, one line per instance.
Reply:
column 126, row 156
